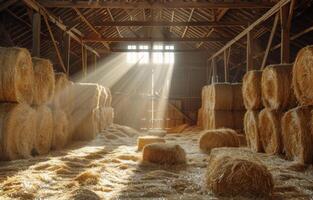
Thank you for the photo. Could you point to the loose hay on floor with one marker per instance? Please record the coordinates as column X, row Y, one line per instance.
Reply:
column 164, row 154
column 142, row 141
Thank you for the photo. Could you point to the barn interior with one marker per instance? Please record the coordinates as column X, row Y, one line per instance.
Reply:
column 168, row 99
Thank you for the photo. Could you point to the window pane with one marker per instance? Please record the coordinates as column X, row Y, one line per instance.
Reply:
column 157, row 47
column 143, row 47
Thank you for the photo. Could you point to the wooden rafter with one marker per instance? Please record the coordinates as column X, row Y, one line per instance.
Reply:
column 189, row 19
column 149, row 39
column 112, row 18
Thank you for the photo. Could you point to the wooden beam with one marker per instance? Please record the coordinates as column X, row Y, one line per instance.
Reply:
column 214, row 72
column 226, row 65
column 187, row 50
column 152, row 39
column 54, row 44
column 264, row 17
column 84, row 60
column 112, row 18
column 250, row 51
column 153, row 5
column 189, row 18
column 285, row 35
column 66, row 52
column 270, row 41
column 7, row 4
column 36, row 27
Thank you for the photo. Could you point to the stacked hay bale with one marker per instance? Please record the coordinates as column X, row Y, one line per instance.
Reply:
column 105, row 108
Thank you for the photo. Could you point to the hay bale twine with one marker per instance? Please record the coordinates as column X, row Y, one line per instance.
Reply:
column 276, row 87
column 17, row 75
column 238, row 117
column 44, row 130
column 297, row 134
column 251, row 90
column 62, row 96
column 233, row 175
column 85, row 95
column 85, row 124
column 60, row 129
column 220, row 96
column 162, row 153
column 218, row 138
column 237, row 97
column 270, row 131
column 251, row 127
column 142, row 141
column 219, row 119
column 18, row 125
column 44, row 81
column 302, row 76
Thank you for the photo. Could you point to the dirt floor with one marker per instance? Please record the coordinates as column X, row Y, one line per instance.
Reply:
column 110, row 167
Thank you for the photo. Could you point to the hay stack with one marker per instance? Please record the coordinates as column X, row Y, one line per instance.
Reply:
column 85, row 124
column 270, row 131
column 142, row 141
column 276, row 87
column 200, row 117
column 205, row 97
column 17, row 75
column 164, row 153
column 251, row 90
column 44, row 130
column 44, row 81
column 219, row 119
column 251, row 127
column 103, row 96
column 237, row 97
column 220, row 96
column 62, row 98
column 18, row 125
column 85, row 95
column 108, row 102
column 109, row 116
column 234, row 175
column 218, row 138
column 60, row 129
column 297, row 134
column 302, row 76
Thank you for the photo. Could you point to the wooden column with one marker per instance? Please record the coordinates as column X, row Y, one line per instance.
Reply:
column 36, row 25
column 214, row 72
column 226, row 69
column 66, row 52
column 84, row 61
column 249, row 51
column 94, row 56
column 285, row 35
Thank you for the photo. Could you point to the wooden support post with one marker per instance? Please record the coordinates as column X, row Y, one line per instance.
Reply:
column 84, row 61
column 94, row 62
column 285, row 35
column 36, row 26
column 226, row 68
column 214, row 72
column 250, row 51
column 67, row 52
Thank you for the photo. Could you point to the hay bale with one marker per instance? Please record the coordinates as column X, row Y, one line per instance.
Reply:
column 85, row 95
column 103, row 96
column 98, row 121
column 200, row 117
column 251, row 127
column 162, row 153
column 109, row 116
column 238, row 117
column 62, row 97
column 302, row 76
column 218, row 138
column 237, row 97
column 276, row 87
column 61, row 134
column 220, row 96
column 84, row 124
column 108, row 102
column 18, row 125
column 297, row 134
column 238, row 175
column 44, row 130
column 44, row 81
column 251, row 90
column 17, row 75
column 204, row 97
column 218, row 119
column 270, row 131
column 142, row 141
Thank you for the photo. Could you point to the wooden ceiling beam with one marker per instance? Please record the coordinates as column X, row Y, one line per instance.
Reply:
column 153, row 5
column 151, row 39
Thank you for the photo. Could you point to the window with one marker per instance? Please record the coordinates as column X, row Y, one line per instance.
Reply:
column 157, row 47
column 169, row 47
column 157, row 57
column 132, row 56
column 143, row 56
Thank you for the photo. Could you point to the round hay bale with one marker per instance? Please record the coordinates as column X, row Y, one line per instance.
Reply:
column 297, row 134
column 142, row 141
column 62, row 98
column 276, row 87
column 218, row 138
column 84, row 124
column 18, row 125
column 237, row 97
column 162, row 153
column 200, row 118
column 85, row 96
column 232, row 176
column 220, row 96
column 302, row 76
column 251, row 127
column 251, row 90
column 44, row 130
column 44, row 81
column 219, row 119
column 270, row 131
column 17, row 75
column 204, row 96
column 60, row 129
column 238, row 117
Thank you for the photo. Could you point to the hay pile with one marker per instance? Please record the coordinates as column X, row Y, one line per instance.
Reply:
column 276, row 87
column 162, row 153
column 302, row 76
column 230, row 174
column 251, row 90
column 61, row 135
column 17, row 75
column 44, row 81
column 218, row 138
column 62, row 94
column 270, row 131
column 142, row 141
column 297, row 134
column 251, row 129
